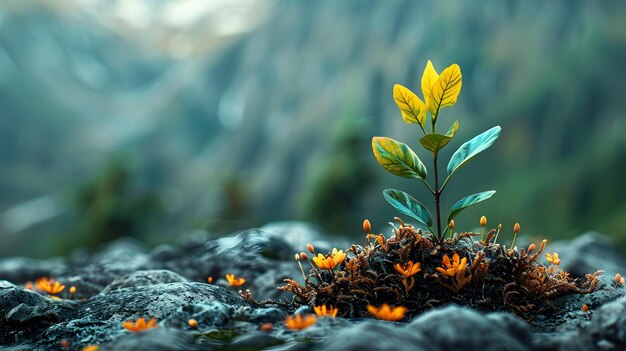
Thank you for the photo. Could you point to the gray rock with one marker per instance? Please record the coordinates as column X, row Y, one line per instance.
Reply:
column 144, row 278
column 21, row 269
column 161, row 339
column 461, row 328
column 156, row 301
column 124, row 283
column 608, row 326
column 374, row 335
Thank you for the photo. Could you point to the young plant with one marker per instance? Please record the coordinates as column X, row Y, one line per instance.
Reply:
column 439, row 91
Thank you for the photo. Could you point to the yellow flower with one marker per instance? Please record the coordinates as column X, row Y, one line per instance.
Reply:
column 297, row 322
column 324, row 311
column 140, row 325
column 408, row 269
column 330, row 261
column 234, row 281
column 452, row 268
column 49, row 285
column 387, row 313
column 553, row 258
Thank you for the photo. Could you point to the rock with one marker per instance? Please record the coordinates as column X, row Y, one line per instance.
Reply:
column 123, row 282
column 156, row 301
column 21, row 269
column 373, row 335
column 608, row 326
column 298, row 234
column 160, row 339
column 144, row 278
column 255, row 340
column 454, row 328
column 28, row 313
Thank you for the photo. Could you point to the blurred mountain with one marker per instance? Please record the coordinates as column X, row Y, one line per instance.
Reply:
column 238, row 126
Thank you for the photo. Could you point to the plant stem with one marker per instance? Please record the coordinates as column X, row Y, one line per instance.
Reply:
column 437, row 196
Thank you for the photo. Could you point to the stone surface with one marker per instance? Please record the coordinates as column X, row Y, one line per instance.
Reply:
column 124, row 281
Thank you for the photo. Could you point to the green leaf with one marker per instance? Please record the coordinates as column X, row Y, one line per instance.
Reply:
column 472, row 148
column 407, row 205
column 453, row 128
column 434, row 142
column 469, row 201
column 398, row 158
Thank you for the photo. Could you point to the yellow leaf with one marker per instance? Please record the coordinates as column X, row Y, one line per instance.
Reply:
column 446, row 89
column 429, row 78
column 413, row 109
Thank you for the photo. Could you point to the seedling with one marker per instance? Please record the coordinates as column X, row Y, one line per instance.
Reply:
column 439, row 91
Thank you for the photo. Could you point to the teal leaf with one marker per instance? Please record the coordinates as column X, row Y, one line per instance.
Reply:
column 407, row 205
column 398, row 158
column 472, row 148
column 469, row 201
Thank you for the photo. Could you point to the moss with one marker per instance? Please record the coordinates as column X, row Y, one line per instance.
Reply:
column 495, row 278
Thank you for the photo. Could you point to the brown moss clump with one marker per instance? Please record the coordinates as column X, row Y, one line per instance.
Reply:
column 481, row 274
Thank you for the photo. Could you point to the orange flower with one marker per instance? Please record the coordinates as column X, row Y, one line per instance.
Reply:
column 451, row 269
column 50, row 286
column 330, row 261
column 324, row 311
column 140, row 325
column 387, row 313
column 297, row 322
column 91, row 348
column 553, row 258
column 234, row 281
column 408, row 269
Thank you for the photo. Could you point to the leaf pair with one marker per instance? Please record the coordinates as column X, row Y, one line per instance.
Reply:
column 407, row 205
column 438, row 90
column 400, row 160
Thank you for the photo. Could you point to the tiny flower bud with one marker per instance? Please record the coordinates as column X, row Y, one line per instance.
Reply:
column 483, row 221
column 516, row 228
column 451, row 225
column 210, row 280
column 367, row 227
column 72, row 290
column 618, row 278
column 65, row 344
column 266, row 327
column 532, row 247
column 297, row 257
column 304, row 256
column 192, row 323
column 310, row 248
column 585, row 308
column 500, row 226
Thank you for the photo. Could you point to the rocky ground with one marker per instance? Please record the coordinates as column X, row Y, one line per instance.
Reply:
column 124, row 281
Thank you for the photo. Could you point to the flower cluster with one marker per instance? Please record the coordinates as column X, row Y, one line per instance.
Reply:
column 140, row 325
